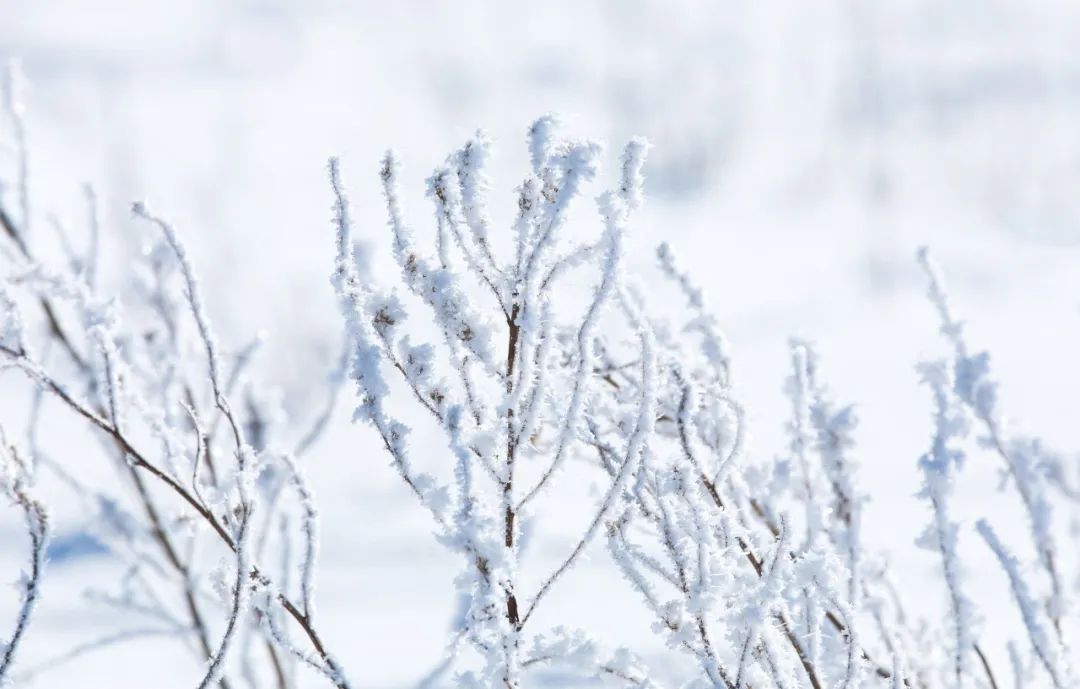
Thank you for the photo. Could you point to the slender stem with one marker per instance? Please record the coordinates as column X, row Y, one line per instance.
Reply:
column 509, row 514
column 986, row 666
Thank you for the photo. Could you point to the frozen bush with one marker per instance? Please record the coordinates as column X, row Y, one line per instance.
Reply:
column 208, row 472
column 756, row 573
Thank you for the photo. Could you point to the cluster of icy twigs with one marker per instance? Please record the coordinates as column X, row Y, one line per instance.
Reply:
column 756, row 573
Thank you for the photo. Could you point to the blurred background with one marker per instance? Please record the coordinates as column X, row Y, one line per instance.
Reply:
column 802, row 151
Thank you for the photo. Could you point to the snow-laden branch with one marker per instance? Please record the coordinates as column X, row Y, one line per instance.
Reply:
column 15, row 484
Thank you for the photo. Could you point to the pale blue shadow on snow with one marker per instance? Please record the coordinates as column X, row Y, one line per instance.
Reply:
column 72, row 546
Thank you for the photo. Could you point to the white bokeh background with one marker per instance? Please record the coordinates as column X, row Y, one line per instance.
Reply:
column 802, row 151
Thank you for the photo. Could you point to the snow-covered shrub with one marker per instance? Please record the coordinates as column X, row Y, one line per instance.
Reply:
column 519, row 393
column 966, row 395
column 208, row 495
column 510, row 380
column 755, row 573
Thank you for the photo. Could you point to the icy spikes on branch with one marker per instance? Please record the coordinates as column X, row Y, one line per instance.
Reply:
column 575, row 163
column 545, row 360
column 760, row 606
column 442, row 190
column 574, row 649
column 15, row 484
column 695, row 564
column 1023, row 456
column 542, row 142
column 240, row 590
column 352, row 296
column 834, row 437
column 636, row 449
column 714, row 346
column 798, row 389
column 451, row 217
column 951, row 328
column 309, row 527
column 632, row 182
column 12, row 328
column 658, row 424
column 142, row 387
column 584, row 369
column 356, row 305
column 1047, row 648
column 99, row 321
column 263, row 604
column 535, row 274
column 239, row 594
column 939, row 467
column 194, row 295
column 438, row 287
column 536, row 368
column 572, row 164
column 972, row 384
column 822, row 572
column 470, row 163
column 11, row 91
column 527, row 221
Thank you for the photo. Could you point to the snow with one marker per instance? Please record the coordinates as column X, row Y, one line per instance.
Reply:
column 798, row 158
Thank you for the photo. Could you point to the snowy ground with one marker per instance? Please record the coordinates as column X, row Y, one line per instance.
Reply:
column 802, row 153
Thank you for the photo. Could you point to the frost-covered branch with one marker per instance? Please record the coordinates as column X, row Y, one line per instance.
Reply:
column 1046, row 646
column 132, row 374
column 481, row 511
column 15, row 483
column 1025, row 457
column 499, row 374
